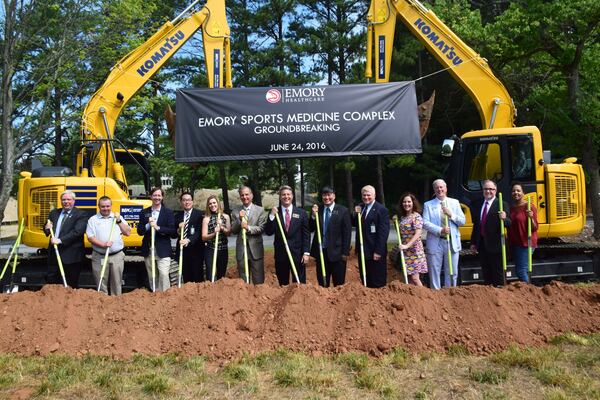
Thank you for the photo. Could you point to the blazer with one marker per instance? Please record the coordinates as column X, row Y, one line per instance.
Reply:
column 492, row 225
column 339, row 233
column 298, row 235
column 162, row 239
column 256, row 226
column 433, row 223
column 72, row 248
column 196, row 245
column 376, row 229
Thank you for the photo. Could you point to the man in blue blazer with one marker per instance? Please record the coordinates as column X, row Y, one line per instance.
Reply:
column 434, row 222
column 375, row 232
column 162, row 220
column 295, row 226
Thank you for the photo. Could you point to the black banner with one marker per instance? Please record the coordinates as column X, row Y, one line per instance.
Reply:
column 297, row 121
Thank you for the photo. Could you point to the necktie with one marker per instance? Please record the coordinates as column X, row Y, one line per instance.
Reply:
column 186, row 221
column 59, row 223
column 247, row 213
column 326, row 224
column 484, row 218
column 288, row 219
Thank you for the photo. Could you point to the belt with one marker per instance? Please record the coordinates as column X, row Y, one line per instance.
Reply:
column 110, row 254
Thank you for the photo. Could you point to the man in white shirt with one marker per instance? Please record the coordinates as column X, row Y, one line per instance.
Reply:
column 435, row 212
column 99, row 234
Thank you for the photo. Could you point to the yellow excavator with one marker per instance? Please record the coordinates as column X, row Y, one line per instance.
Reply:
column 500, row 151
column 99, row 168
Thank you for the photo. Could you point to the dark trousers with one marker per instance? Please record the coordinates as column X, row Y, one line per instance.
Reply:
column 72, row 272
column 491, row 266
column 193, row 265
column 283, row 270
column 376, row 272
column 221, row 267
column 334, row 270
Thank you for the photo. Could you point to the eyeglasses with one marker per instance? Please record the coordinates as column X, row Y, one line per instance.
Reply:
column 489, row 189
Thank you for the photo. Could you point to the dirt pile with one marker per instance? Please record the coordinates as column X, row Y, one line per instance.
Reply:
column 225, row 319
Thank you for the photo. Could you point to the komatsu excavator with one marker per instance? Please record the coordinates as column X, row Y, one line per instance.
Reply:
column 500, row 151
column 99, row 166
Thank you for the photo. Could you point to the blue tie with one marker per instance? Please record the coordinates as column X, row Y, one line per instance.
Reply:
column 59, row 223
column 325, row 225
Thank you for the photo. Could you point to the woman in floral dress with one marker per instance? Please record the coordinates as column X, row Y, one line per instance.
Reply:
column 411, row 227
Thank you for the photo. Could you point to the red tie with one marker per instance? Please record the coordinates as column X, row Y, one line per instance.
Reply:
column 484, row 218
column 287, row 219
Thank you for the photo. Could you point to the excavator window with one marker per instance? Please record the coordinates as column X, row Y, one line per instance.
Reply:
column 482, row 161
column 521, row 160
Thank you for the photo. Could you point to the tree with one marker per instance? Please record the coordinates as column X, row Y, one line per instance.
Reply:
column 37, row 41
column 549, row 53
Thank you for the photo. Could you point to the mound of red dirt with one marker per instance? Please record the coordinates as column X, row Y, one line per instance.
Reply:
column 229, row 318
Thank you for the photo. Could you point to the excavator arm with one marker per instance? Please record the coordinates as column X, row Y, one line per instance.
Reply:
column 493, row 101
column 136, row 68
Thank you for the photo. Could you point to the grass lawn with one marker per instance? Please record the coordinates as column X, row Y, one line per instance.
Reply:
column 568, row 368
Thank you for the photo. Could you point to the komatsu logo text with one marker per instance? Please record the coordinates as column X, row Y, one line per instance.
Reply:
column 170, row 44
column 434, row 38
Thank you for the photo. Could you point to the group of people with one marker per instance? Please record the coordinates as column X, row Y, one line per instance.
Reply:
column 202, row 238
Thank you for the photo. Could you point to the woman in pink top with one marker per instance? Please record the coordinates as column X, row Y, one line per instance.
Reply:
column 517, row 233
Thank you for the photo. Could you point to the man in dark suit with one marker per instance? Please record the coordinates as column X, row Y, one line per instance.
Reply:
column 189, row 220
column 69, row 224
column 485, row 238
column 336, row 233
column 375, row 232
column 162, row 220
column 294, row 222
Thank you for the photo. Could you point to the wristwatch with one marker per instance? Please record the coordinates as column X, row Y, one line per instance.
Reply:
column 119, row 221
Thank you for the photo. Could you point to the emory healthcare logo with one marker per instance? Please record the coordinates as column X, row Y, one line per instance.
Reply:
column 273, row 96
column 296, row 95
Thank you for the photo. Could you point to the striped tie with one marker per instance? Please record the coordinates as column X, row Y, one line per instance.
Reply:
column 186, row 221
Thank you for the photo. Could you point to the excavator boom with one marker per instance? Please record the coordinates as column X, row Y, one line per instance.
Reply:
column 137, row 68
column 493, row 101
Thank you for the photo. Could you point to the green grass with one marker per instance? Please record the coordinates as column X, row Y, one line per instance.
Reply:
column 568, row 368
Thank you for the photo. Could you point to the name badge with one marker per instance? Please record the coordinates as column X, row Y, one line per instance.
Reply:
column 373, row 229
column 192, row 230
column 295, row 215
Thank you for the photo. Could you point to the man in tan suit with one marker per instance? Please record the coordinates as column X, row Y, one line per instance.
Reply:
column 256, row 219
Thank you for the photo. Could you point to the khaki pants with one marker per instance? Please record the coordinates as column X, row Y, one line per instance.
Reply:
column 162, row 281
column 113, row 272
